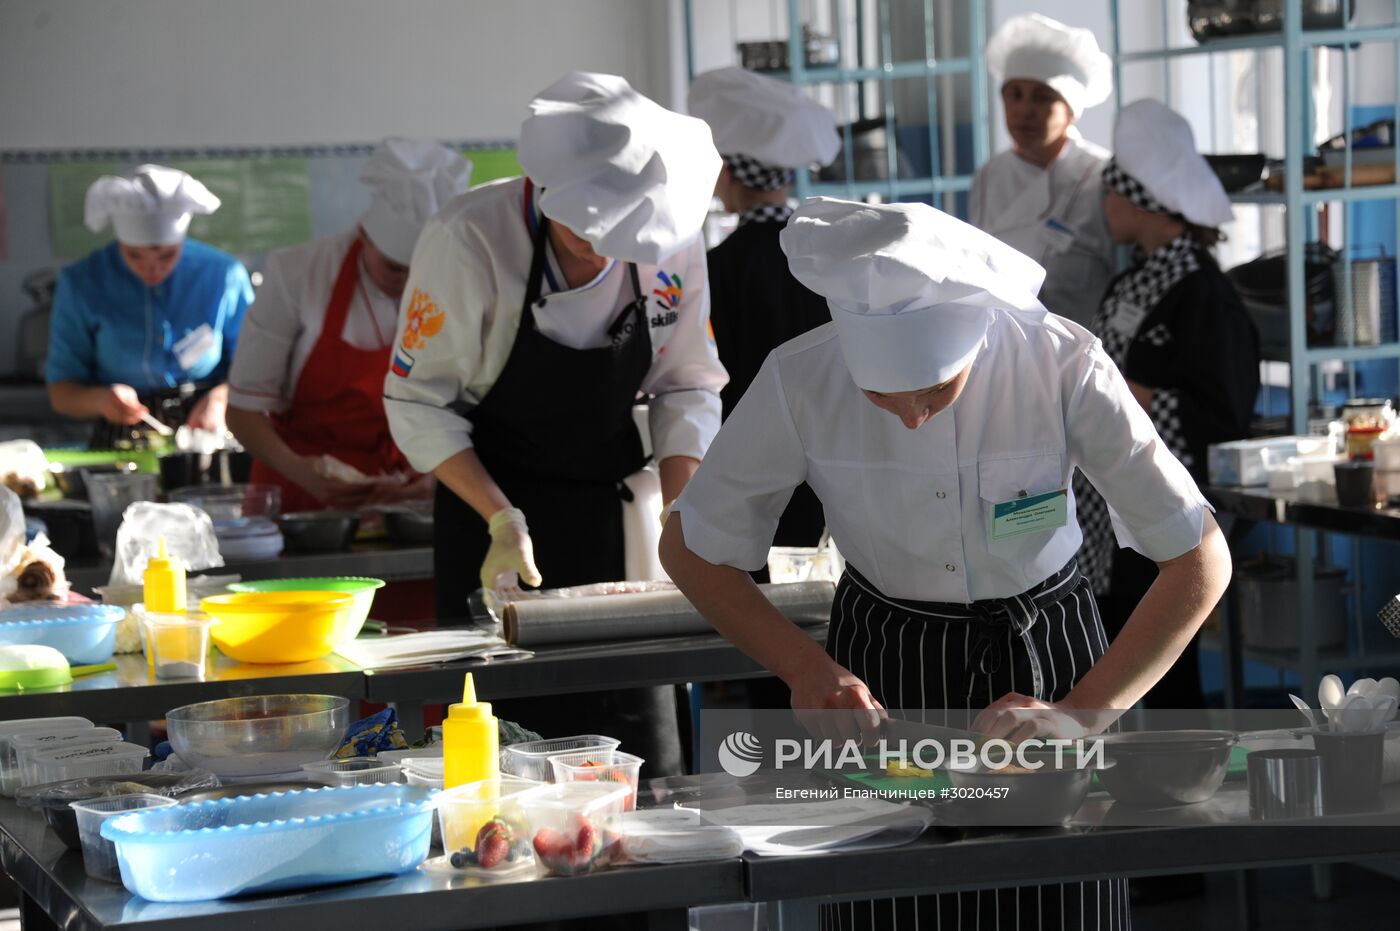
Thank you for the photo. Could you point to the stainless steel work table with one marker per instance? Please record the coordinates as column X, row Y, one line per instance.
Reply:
column 1216, row 835
column 55, row 892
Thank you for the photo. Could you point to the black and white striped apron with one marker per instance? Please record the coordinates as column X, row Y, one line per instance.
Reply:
column 927, row 659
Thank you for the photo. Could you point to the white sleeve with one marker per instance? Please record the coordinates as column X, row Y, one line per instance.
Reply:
column 729, row 511
column 260, row 378
column 437, row 345
column 1153, row 501
column 686, row 375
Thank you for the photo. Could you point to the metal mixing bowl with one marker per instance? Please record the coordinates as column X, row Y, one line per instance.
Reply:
column 409, row 526
column 258, row 735
column 318, row 531
column 1046, row 796
column 1155, row 769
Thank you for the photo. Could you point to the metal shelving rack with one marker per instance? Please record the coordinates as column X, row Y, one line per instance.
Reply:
column 936, row 183
column 1299, row 47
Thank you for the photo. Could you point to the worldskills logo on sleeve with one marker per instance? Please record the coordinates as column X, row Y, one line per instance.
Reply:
column 668, row 298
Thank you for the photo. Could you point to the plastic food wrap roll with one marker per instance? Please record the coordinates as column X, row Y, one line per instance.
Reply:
column 538, row 622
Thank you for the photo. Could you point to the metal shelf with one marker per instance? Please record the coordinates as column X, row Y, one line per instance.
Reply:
column 1268, row 40
column 1260, row 198
column 1352, row 353
column 1333, row 659
column 893, row 71
column 945, row 185
column 1352, row 194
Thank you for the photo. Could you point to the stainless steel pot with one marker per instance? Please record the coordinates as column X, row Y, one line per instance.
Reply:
column 1268, row 599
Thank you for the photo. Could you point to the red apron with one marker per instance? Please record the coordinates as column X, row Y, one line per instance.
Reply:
column 337, row 408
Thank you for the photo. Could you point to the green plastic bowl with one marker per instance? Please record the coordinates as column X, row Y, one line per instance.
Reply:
column 362, row 588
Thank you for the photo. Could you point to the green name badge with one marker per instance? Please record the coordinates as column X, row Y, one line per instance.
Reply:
column 1030, row 514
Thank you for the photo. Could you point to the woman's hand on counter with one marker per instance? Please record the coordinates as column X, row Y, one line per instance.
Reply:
column 211, row 411
column 1017, row 717
column 329, row 491
column 833, row 703
column 419, row 489
column 119, row 404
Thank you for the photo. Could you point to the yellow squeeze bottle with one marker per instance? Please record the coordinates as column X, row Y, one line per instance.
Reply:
column 470, row 742
column 164, row 584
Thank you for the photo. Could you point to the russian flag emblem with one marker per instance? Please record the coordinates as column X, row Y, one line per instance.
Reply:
column 403, row 363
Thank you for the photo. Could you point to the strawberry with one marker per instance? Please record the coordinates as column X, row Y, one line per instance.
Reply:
column 587, row 837
column 555, row 851
column 491, row 850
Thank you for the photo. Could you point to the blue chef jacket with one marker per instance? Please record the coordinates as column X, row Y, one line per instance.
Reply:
column 109, row 327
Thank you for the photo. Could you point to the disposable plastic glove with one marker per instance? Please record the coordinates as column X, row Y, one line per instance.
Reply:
column 511, row 558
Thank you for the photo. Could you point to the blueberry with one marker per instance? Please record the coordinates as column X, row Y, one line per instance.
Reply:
column 463, row 858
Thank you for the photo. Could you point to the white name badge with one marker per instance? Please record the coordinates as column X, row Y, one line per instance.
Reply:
column 1056, row 237
column 194, row 346
column 1126, row 318
column 1030, row 514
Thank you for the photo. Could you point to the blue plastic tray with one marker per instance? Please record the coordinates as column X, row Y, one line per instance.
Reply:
column 84, row 634
column 262, row 843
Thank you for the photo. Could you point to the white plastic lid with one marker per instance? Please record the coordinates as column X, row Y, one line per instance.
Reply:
column 25, row 724
column 30, row 739
column 116, row 749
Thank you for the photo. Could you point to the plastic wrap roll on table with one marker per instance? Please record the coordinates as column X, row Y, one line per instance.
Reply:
column 531, row 623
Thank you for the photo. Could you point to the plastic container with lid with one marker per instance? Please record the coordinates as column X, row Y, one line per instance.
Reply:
column 356, row 771
column 464, row 810
column 605, row 766
column 531, row 758
column 574, row 825
column 28, row 745
column 9, row 765
column 424, row 771
column 470, row 740
column 105, row 759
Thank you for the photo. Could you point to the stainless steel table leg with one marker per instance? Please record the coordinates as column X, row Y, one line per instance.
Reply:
column 410, row 714
column 793, row 915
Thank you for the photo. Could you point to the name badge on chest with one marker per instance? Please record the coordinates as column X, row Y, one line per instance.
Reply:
column 1030, row 514
column 194, row 346
column 1126, row 318
column 1056, row 237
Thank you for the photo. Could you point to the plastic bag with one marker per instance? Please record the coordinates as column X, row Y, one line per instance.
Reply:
column 188, row 532
column 32, row 572
column 171, row 785
column 24, row 468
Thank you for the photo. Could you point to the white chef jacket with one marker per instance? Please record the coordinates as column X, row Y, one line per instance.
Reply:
column 1055, row 216
column 470, row 270
column 911, row 509
column 284, row 323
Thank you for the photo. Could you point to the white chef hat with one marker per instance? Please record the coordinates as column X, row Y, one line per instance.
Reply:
column 768, row 120
column 910, row 287
column 1155, row 165
column 618, row 169
column 150, row 207
column 410, row 180
column 1038, row 48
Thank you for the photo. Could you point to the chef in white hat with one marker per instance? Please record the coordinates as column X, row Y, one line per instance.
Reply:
column 146, row 326
column 1177, row 331
column 308, row 380
column 1042, row 197
column 765, row 130
column 939, row 417
column 537, row 312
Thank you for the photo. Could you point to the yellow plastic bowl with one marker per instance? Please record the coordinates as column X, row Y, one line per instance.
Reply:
column 277, row 627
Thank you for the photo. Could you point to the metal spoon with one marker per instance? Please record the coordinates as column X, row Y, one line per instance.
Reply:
column 1303, row 707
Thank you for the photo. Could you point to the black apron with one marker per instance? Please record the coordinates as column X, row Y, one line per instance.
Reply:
column 934, row 657
column 556, row 433
column 171, row 406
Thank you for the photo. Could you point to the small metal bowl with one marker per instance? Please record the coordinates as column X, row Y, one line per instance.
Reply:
column 1157, row 769
column 1046, row 796
column 409, row 526
column 318, row 531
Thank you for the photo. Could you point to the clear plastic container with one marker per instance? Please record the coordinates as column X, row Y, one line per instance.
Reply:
column 28, row 745
column 231, row 502
column 9, row 763
column 420, row 775
column 99, row 854
column 110, row 494
column 531, row 758
column 107, row 759
column 357, row 771
column 574, row 825
column 465, row 810
column 177, row 645
column 607, row 766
